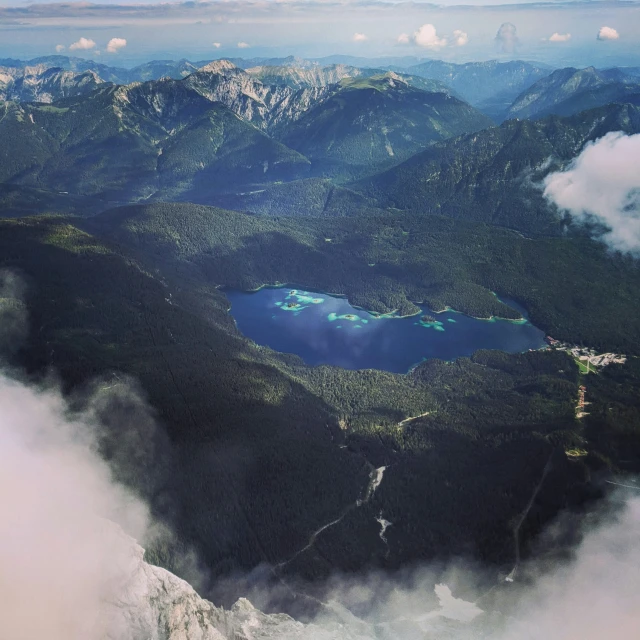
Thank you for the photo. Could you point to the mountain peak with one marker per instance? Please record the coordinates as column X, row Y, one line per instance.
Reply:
column 218, row 66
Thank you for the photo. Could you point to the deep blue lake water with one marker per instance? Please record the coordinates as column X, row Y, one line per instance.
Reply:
column 323, row 329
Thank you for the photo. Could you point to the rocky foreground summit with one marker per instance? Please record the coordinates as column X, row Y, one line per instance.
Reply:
column 154, row 604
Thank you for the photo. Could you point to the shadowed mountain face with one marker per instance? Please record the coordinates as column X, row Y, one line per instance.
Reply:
column 494, row 175
column 370, row 123
column 569, row 91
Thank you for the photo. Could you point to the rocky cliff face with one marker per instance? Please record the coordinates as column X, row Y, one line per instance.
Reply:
column 265, row 106
column 301, row 77
column 43, row 84
column 154, row 604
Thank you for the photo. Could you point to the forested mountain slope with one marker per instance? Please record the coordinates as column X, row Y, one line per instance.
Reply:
column 237, row 415
column 123, row 143
column 494, row 175
column 372, row 122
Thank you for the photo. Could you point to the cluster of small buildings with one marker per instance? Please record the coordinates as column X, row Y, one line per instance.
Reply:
column 586, row 355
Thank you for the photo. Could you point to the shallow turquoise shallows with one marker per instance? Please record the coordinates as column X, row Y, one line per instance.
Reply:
column 323, row 329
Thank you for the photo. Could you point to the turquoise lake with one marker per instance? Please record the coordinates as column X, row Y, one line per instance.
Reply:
column 324, row 329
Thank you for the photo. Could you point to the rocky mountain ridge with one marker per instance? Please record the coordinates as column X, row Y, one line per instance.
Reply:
column 153, row 604
column 40, row 83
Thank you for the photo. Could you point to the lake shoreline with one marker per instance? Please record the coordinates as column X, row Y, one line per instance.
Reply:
column 390, row 315
column 362, row 343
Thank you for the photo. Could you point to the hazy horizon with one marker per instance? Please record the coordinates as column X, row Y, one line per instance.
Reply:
column 554, row 33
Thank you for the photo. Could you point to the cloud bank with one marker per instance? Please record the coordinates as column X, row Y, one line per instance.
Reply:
column 460, row 38
column 115, row 44
column 595, row 597
column 61, row 555
column 427, row 37
column 359, row 37
column 607, row 33
column 82, row 45
column 602, row 185
column 560, row 37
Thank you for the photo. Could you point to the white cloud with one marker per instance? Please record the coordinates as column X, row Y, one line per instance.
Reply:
column 460, row 38
column 359, row 37
column 404, row 38
column 115, row 44
column 217, row 45
column 603, row 185
column 82, row 44
column 60, row 47
column 243, row 45
column 59, row 549
column 507, row 37
column 608, row 33
column 560, row 37
column 426, row 36
column 594, row 597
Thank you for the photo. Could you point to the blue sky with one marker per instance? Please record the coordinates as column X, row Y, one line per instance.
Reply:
column 557, row 33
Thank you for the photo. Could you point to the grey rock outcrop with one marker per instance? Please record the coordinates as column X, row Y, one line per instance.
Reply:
column 44, row 84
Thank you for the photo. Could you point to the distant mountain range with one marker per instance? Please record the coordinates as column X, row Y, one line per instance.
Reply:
column 501, row 90
column 569, row 91
column 148, row 71
column 491, row 86
column 207, row 134
column 295, row 136
column 44, row 84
